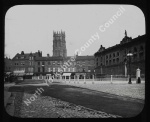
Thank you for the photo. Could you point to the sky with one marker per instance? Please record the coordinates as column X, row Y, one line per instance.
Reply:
column 29, row 28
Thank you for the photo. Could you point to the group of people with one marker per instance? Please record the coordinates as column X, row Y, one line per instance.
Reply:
column 9, row 77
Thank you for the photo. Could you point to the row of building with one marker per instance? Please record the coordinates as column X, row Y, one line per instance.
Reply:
column 111, row 61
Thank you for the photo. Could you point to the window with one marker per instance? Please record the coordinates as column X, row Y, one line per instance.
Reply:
column 16, row 63
column 97, row 59
column 129, row 51
column 49, row 69
column 135, row 50
column 73, row 70
column 53, row 62
column 68, row 69
column 117, row 60
column 30, row 63
column 83, row 63
column 53, row 69
column 141, row 49
column 48, row 63
column 16, row 57
column 106, row 56
column 43, row 69
column 110, row 56
column 113, row 60
column 38, row 63
column 29, row 70
column 56, row 62
column 22, row 57
column 43, row 63
column 38, row 69
column 109, row 62
column 113, row 54
column 117, row 53
column 101, row 58
column 22, row 63
column 58, row 69
column 135, row 53
column 141, row 52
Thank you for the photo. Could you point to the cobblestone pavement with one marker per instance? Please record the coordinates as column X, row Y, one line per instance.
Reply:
column 123, row 89
column 48, row 107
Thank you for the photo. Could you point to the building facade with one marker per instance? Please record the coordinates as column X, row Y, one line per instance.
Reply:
column 8, row 64
column 24, row 63
column 35, row 63
column 85, row 63
column 114, row 60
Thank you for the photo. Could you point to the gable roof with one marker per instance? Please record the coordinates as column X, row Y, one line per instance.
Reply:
column 26, row 56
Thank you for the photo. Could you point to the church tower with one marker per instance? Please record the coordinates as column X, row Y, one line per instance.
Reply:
column 59, row 44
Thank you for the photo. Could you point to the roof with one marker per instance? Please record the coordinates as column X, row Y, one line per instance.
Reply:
column 85, row 57
column 124, row 42
column 49, row 58
column 26, row 56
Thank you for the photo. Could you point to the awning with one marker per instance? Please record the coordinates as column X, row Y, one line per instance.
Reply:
column 80, row 73
column 48, row 74
column 29, row 73
column 66, row 74
column 19, row 74
column 7, row 73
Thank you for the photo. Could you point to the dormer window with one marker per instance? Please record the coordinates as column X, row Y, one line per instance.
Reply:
column 30, row 58
column 16, row 57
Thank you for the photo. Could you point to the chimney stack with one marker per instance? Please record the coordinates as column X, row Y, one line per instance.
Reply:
column 47, row 55
column 41, row 53
column 22, row 52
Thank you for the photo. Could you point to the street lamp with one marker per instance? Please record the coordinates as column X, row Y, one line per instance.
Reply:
column 129, row 55
column 101, row 68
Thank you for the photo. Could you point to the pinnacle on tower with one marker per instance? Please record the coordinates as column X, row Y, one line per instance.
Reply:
column 125, row 33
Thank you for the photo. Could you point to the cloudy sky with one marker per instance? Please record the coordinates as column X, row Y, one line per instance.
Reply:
column 30, row 28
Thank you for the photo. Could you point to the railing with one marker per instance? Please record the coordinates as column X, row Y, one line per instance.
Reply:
column 111, row 78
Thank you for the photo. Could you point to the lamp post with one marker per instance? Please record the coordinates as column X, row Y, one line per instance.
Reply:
column 129, row 55
column 42, row 71
column 125, row 63
column 101, row 68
